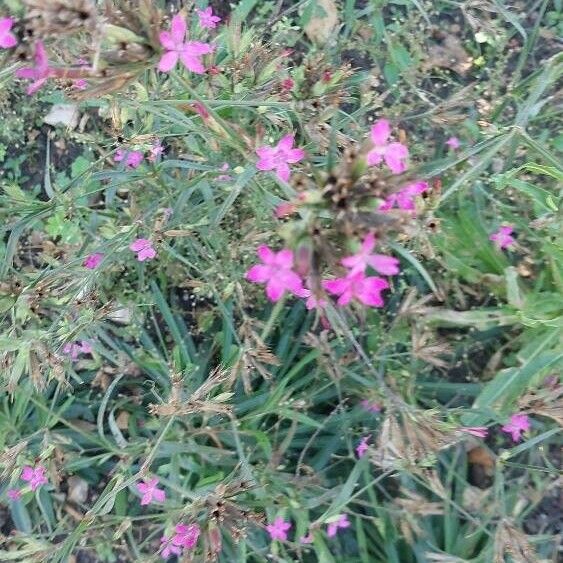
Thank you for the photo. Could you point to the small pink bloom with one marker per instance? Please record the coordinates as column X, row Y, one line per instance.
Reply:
column 150, row 491
column 453, row 143
column 144, row 249
column 80, row 84
column 86, row 347
column 92, row 261
column 405, row 198
column 14, row 494
column 386, row 265
column 306, row 539
column 287, row 84
column 284, row 209
column 38, row 73
column 167, row 548
column 34, row 476
column 478, row 431
column 370, row 406
column 362, row 447
column 7, row 39
column 186, row 535
column 503, row 237
column 333, row 527
column 207, row 19
column 276, row 272
column 278, row 530
column 366, row 290
column 189, row 52
column 155, row 151
column 394, row 154
column 279, row 158
column 517, row 424
column 72, row 349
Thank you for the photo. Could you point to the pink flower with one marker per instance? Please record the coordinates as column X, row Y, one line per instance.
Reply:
column 370, row 406
column 34, row 476
column 86, row 347
column 306, row 539
column 132, row 158
column 278, row 530
column 155, row 151
column 276, row 272
column 453, row 143
column 478, row 431
column 151, row 492
column 167, row 548
column 279, row 157
column 92, row 261
column 144, row 249
column 80, row 84
column 386, row 265
column 404, row 199
column 517, row 424
column 362, row 447
column 207, row 19
column 186, row 535
column 7, row 39
column 287, row 84
column 73, row 349
column 394, row 154
column 189, row 52
column 503, row 237
column 367, row 290
column 38, row 73
column 333, row 527
column 14, row 494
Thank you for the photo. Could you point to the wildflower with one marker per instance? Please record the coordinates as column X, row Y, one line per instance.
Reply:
column 186, row 535
column 7, row 39
column 517, row 424
column 73, row 349
column 80, row 84
column 284, row 209
column 144, row 249
column 503, row 237
column 386, row 265
column 132, row 159
column 14, row 494
column 150, row 491
column 367, row 290
column 370, row 406
column 276, row 272
column 167, row 548
column 38, row 73
column 34, row 476
column 341, row 522
column 279, row 158
column 155, row 151
column 404, row 199
column 394, row 154
column 287, row 84
column 453, row 143
column 92, row 261
column 278, row 530
column 478, row 431
column 306, row 539
column 207, row 19
column 189, row 52
column 362, row 447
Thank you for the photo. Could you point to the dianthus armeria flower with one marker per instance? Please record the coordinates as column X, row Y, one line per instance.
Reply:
column 357, row 286
column 516, row 426
column 404, row 199
column 386, row 265
column 453, row 143
column 144, row 249
column 74, row 349
column 393, row 154
column 132, row 159
column 151, row 492
column 92, row 261
column 155, row 151
column 39, row 73
column 370, row 406
column 177, row 48
column 477, row 431
column 167, row 548
column 35, row 476
column 503, row 237
column 278, row 529
column 276, row 271
column 14, row 494
column 362, row 447
column 279, row 158
column 7, row 39
column 340, row 521
column 207, row 19
column 186, row 535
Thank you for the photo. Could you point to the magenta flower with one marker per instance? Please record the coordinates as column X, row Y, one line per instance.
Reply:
column 7, row 39
column 341, row 522
column 517, row 424
column 386, row 265
column 14, row 494
column 132, row 159
column 366, row 290
column 278, row 530
column 189, row 52
column 80, row 84
column 362, row 447
column 405, row 198
column 279, row 158
column 276, row 272
column 394, row 154
column 503, row 237
column 167, row 548
column 38, row 73
column 155, row 151
column 34, row 476
column 73, row 349
column 144, row 249
column 453, row 143
column 477, row 431
column 371, row 406
column 92, row 261
column 186, row 535
column 207, row 19
column 150, row 491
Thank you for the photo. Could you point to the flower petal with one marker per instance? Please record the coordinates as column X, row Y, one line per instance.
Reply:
column 266, row 254
column 192, row 62
column 178, row 29
column 380, row 132
column 258, row 274
column 168, row 61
